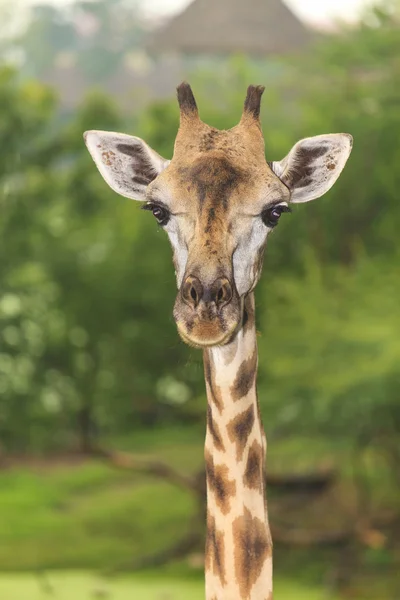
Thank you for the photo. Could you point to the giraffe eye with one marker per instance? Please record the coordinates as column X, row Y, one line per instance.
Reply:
column 270, row 216
column 161, row 214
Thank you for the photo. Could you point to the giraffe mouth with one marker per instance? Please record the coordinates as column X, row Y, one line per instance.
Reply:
column 205, row 326
column 205, row 341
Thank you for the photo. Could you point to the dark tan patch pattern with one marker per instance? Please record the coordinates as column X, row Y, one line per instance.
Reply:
column 214, row 178
column 214, row 430
column 252, row 548
column 254, row 473
column 214, row 390
column 239, row 430
column 210, row 219
column 245, row 377
column 219, row 483
column 215, row 550
column 264, row 441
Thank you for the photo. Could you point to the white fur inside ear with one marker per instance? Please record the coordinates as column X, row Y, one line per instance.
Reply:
column 313, row 165
column 126, row 162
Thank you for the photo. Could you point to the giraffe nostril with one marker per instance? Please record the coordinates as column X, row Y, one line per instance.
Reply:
column 219, row 293
column 222, row 292
column 192, row 291
column 193, row 294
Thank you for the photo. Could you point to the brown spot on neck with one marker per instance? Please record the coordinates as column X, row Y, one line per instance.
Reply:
column 254, row 473
column 219, row 483
column 245, row 378
column 214, row 430
column 215, row 550
column 252, row 548
column 239, row 430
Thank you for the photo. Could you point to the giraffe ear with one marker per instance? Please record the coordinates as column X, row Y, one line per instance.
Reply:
column 313, row 165
column 126, row 162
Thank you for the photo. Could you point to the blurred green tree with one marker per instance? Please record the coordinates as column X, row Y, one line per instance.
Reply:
column 85, row 328
column 94, row 37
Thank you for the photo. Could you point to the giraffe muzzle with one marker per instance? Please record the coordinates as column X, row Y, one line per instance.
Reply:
column 207, row 314
column 218, row 293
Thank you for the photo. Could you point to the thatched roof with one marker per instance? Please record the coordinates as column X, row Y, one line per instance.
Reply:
column 255, row 27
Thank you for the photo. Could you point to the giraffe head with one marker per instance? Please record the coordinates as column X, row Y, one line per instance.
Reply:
column 218, row 199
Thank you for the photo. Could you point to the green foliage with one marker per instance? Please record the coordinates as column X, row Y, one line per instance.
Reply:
column 90, row 508
column 105, row 517
column 352, row 84
column 77, row 307
column 331, row 351
column 94, row 37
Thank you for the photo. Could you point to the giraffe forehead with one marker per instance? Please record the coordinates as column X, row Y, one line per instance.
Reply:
column 213, row 164
column 214, row 182
column 215, row 179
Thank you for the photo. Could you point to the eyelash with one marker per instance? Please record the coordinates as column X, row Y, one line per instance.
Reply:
column 271, row 220
column 163, row 213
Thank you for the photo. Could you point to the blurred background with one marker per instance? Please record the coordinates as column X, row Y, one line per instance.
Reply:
column 102, row 408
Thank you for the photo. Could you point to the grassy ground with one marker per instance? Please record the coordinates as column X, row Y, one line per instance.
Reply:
column 80, row 586
column 103, row 517
column 69, row 514
column 82, row 514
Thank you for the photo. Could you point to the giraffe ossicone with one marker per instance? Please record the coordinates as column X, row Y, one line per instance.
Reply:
column 218, row 199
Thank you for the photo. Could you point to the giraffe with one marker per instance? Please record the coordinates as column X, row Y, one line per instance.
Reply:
column 218, row 199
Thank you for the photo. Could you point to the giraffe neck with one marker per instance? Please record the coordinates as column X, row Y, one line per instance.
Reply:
column 238, row 562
